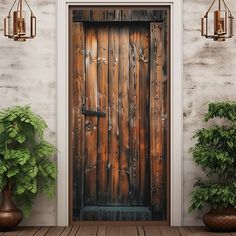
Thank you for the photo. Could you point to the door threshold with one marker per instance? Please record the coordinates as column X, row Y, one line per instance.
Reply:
column 119, row 223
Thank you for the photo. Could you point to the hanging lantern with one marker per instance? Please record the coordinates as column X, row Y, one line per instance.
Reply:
column 17, row 25
column 217, row 24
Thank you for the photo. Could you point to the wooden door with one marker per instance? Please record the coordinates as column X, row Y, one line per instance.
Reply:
column 119, row 120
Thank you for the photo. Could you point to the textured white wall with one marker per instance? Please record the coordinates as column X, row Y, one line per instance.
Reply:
column 28, row 76
column 209, row 75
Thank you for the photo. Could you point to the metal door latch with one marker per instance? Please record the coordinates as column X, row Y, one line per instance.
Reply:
column 92, row 113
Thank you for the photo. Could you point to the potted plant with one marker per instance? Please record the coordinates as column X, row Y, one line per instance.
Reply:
column 215, row 153
column 25, row 167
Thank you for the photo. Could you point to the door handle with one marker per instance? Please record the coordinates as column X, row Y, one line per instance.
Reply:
column 92, row 113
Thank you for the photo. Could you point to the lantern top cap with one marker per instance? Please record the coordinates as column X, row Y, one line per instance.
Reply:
column 19, row 6
column 220, row 4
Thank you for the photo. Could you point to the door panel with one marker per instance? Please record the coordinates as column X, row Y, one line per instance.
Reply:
column 102, row 156
column 156, row 114
column 91, row 121
column 123, row 116
column 113, row 134
column 119, row 120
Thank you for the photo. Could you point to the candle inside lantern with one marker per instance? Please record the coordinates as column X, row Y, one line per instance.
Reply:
column 219, row 22
column 19, row 26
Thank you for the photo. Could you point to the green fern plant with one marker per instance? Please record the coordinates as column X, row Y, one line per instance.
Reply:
column 215, row 153
column 25, row 167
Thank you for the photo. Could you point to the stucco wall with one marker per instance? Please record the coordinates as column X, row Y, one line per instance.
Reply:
column 209, row 75
column 28, row 76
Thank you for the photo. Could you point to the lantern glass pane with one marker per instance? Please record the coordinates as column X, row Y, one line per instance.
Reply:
column 220, row 22
column 203, row 26
column 33, row 26
column 19, row 23
column 229, row 26
column 210, row 24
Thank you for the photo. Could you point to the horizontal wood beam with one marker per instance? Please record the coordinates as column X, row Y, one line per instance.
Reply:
column 118, row 15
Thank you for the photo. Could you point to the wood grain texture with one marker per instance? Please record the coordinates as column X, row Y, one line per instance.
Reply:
column 87, row 231
column 102, row 94
column 122, row 153
column 91, row 122
column 42, row 231
column 128, row 231
column 134, row 113
column 78, row 121
column 156, row 97
column 54, row 231
column 169, row 231
column 124, row 115
column 113, row 129
column 28, row 231
column 144, row 170
column 152, row 231
column 118, row 15
column 111, row 230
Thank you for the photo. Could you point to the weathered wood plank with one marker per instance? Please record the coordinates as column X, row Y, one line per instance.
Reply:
column 134, row 113
column 87, row 231
column 169, row 231
column 156, row 97
column 78, row 121
column 140, row 230
column 203, row 231
column 14, row 232
column 119, row 15
column 28, row 231
column 103, row 121
column 126, row 15
column 97, row 15
column 42, row 231
column 152, row 231
column 91, row 122
column 113, row 128
column 165, row 116
column 55, row 231
column 128, row 231
column 112, row 231
column 73, row 231
column 185, row 231
column 111, row 15
column 144, row 117
column 102, row 231
column 124, row 115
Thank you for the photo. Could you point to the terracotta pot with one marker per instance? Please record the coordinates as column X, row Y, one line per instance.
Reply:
column 10, row 216
column 221, row 219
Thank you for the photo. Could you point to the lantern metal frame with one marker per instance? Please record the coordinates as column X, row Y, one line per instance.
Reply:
column 10, row 23
column 227, row 22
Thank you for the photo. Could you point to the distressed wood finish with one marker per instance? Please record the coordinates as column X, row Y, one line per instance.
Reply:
column 113, row 167
column 156, row 99
column 144, row 172
column 119, row 160
column 102, row 94
column 111, row 230
column 118, row 15
column 77, row 117
column 91, row 122
column 124, row 115
column 134, row 115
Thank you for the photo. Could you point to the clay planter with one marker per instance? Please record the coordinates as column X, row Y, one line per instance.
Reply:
column 223, row 220
column 10, row 216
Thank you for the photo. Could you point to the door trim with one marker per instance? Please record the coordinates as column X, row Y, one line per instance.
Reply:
column 176, row 103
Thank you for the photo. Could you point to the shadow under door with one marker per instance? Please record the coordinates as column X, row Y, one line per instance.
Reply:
column 119, row 92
